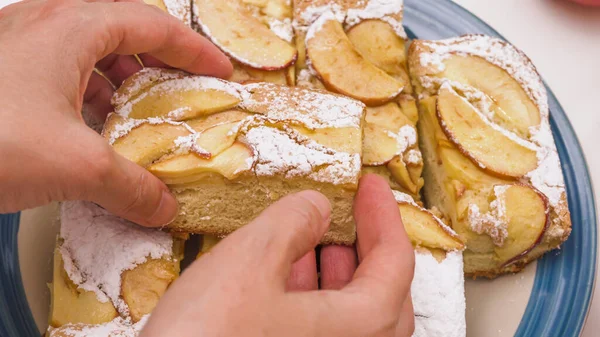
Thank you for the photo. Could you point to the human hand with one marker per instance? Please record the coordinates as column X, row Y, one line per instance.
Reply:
column 242, row 287
column 48, row 54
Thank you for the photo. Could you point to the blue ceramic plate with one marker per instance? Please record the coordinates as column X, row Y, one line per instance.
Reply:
column 562, row 289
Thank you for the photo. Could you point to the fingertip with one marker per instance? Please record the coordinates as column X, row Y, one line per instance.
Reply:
column 338, row 264
column 319, row 201
column 303, row 276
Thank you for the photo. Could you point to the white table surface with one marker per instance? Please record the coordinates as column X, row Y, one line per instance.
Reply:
column 563, row 41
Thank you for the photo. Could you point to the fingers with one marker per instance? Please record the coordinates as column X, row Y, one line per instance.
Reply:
column 279, row 236
column 338, row 264
column 122, row 187
column 163, row 37
column 96, row 98
column 385, row 253
column 117, row 68
column 303, row 276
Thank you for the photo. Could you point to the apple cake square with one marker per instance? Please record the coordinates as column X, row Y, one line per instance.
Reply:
column 491, row 165
column 227, row 150
column 108, row 273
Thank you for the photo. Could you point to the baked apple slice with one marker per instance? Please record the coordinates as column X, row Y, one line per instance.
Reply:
column 526, row 213
column 208, row 242
column 182, row 99
column 513, row 109
column 378, row 146
column 389, row 116
column 460, row 168
column 342, row 69
column 425, row 230
column 206, row 122
column 190, row 168
column 377, row 41
column 72, row 305
column 400, row 173
column 140, row 82
column 489, row 148
column 242, row 36
column 145, row 143
column 143, row 286
column 339, row 139
column 218, row 138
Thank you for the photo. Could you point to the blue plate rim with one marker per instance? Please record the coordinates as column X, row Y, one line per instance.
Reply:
column 16, row 318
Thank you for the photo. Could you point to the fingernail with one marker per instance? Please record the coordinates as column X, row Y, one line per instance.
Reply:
column 167, row 210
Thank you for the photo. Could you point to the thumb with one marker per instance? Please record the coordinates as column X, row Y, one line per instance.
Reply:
column 128, row 190
column 280, row 235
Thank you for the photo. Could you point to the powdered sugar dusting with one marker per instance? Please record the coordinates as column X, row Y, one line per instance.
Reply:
column 313, row 109
column 282, row 28
column 98, row 246
column 118, row 327
column 405, row 138
column 180, row 9
column 494, row 222
column 141, row 80
column 313, row 17
column 389, row 11
column 291, row 154
column 496, row 52
column 438, row 296
column 413, row 157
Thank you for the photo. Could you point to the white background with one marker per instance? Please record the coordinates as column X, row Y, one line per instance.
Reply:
column 563, row 40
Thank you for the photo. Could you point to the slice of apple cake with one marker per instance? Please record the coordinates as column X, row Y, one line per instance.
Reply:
column 357, row 48
column 491, row 165
column 108, row 273
column 227, row 150
column 256, row 35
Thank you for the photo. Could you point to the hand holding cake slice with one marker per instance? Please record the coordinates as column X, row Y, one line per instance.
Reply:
column 226, row 164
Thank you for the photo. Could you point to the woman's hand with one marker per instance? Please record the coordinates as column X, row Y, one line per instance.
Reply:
column 243, row 286
column 48, row 52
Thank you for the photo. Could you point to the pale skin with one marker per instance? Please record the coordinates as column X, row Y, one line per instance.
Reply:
column 261, row 280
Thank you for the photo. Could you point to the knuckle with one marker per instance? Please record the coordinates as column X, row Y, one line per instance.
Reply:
column 137, row 197
column 101, row 164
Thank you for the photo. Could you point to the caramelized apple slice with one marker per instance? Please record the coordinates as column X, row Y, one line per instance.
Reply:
column 378, row 146
column 158, row 3
column 218, row 138
column 388, row 116
column 244, row 74
column 143, row 286
column 206, row 122
column 182, row 99
column 142, row 81
column 400, row 173
column 460, row 168
column 190, row 168
column 339, row 139
column 343, row 69
column 146, row 143
column 242, row 36
column 527, row 217
column 377, row 41
column 72, row 305
column 489, row 148
column 424, row 229
column 512, row 107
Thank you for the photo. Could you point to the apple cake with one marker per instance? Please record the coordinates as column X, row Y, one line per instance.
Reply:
column 491, row 165
column 228, row 150
column 108, row 273
column 357, row 48
column 257, row 36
